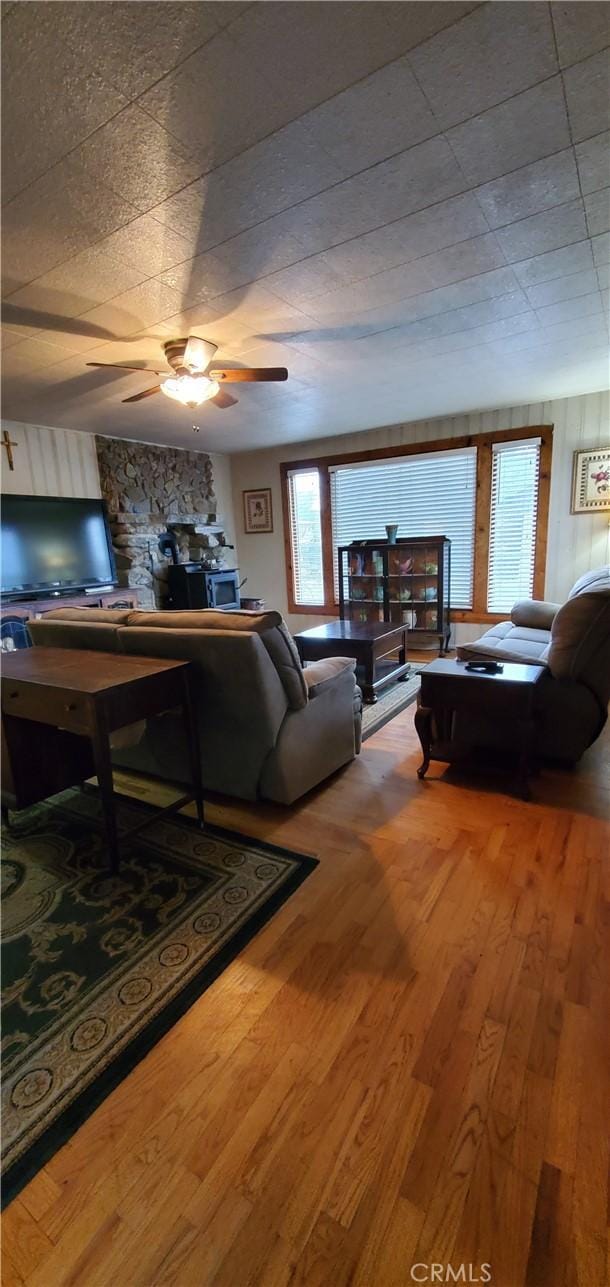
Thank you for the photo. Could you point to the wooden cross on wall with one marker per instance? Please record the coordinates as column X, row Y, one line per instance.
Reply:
column 9, row 444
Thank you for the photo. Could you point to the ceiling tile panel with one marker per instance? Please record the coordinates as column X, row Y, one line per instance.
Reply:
column 527, row 191
column 493, row 310
column 505, row 326
column 261, row 250
column 603, row 275
column 548, row 231
column 597, row 209
column 137, row 158
column 381, row 115
column 267, row 178
column 571, row 328
column 33, row 355
column 200, row 279
column 417, row 178
column 134, row 45
column 418, row 234
column 148, row 245
column 337, row 43
column 601, row 248
column 217, row 102
column 456, row 263
column 73, row 287
column 305, row 280
column 444, row 299
column 581, row 29
column 140, row 307
column 57, row 216
column 565, row 310
column 53, row 123
column 462, row 320
column 259, row 309
column 587, row 96
column 9, row 338
column 524, row 129
column 490, row 55
column 413, row 22
column 593, row 157
column 557, row 335
column 559, row 288
column 557, row 263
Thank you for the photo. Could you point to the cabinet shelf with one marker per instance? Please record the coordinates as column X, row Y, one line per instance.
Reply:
column 429, row 616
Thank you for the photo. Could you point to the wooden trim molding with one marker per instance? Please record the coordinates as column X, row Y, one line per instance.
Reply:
column 484, row 444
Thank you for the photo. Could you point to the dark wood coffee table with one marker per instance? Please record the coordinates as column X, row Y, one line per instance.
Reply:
column 59, row 708
column 367, row 641
column 447, row 686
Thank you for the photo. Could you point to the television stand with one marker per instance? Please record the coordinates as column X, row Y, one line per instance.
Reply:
column 29, row 609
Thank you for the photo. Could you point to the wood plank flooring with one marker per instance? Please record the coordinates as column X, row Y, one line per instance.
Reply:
column 406, row 1068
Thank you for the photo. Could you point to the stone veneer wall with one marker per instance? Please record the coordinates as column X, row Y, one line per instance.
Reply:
column 149, row 490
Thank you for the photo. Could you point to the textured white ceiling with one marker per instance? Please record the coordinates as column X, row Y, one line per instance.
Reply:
column 407, row 204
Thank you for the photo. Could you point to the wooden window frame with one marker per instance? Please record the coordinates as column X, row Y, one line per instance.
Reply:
column 484, row 443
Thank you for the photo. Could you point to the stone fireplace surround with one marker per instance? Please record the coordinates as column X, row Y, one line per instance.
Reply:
column 149, row 490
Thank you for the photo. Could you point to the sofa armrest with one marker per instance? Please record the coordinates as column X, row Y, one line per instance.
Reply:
column 320, row 675
column 534, row 613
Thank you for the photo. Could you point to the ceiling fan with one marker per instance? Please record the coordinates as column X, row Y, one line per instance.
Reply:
column 195, row 380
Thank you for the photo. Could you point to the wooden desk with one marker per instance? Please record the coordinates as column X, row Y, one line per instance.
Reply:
column 59, row 708
column 367, row 641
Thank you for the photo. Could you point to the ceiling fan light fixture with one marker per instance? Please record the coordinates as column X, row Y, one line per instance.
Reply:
column 190, row 390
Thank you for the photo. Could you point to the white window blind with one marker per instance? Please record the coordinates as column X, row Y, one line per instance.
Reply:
column 432, row 494
column 512, row 533
column 306, row 536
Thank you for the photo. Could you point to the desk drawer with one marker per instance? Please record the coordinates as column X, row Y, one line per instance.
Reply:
column 59, row 707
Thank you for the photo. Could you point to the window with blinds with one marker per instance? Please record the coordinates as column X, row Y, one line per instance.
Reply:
column 512, row 535
column 306, row 536
column 433, row 494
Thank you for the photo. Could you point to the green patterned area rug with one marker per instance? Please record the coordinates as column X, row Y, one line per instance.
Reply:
column 96, row 967
column 391, row 702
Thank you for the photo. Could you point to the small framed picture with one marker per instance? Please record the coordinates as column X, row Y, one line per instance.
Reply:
column 591, row 481
column 258, row 512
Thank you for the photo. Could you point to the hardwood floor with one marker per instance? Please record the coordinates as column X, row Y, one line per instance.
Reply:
column 405, row 1068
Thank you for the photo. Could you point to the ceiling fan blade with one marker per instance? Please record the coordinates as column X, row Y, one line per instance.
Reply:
column 198, row 353
column 224, row 400
column 249, row 374
column 122, row 366
column 147, row 393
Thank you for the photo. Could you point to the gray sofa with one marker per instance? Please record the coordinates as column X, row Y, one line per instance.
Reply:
column 268, row 727
column 572, row 642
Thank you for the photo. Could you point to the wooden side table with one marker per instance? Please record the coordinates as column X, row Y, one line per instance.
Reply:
column 446, row 687
column 59, row 709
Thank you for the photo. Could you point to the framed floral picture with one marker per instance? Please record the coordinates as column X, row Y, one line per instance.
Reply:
column 591, row 481
column 258, row 512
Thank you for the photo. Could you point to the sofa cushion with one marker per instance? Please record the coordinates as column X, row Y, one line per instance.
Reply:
column 101, row 636
column 111, row 616
column 205, row 619
column 506, row 642
column 270, row 626
column 598, row 579
column 535, row 613
column 319, row 674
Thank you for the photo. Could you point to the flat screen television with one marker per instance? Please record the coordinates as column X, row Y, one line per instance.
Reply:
column 53, row 545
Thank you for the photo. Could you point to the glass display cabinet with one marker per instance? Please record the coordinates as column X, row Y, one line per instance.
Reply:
column 406, row 582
